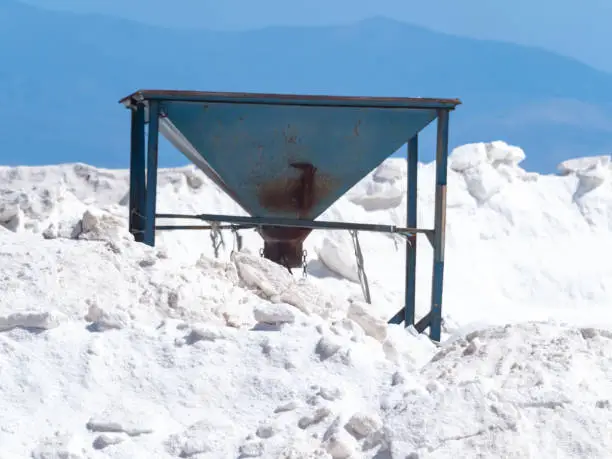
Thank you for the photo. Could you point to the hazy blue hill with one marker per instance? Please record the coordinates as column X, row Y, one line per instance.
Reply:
column 61, row 76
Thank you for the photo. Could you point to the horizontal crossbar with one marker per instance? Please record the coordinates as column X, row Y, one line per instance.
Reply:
column 298, row 223
column 203, row 227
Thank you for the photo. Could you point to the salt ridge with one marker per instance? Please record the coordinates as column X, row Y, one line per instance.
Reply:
column 114, row 349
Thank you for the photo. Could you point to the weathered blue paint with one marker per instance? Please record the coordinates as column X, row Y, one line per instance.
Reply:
column 435, row 327
column 137, row 174
column 411, row 221
column 152, row 153
column 252, row 147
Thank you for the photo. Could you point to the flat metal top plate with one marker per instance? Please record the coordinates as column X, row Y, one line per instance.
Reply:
column 289, row 99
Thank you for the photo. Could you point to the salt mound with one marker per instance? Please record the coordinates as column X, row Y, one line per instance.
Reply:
column 336, row 252
column 572, row 166
column 273, row 282
column 496, row 153
column 29, row 320
column 385, row 190
column 11, row 217
column 131, row 279
column 488, row 168
column 94, row 225
column 169, row 351
column 390, row 171
column 501, row 153
column 530, row 387
column 483, row 181
column 269, row 278
column 467, row 156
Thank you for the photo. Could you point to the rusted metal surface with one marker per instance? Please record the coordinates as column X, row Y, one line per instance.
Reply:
column 284, row 245
column 296, row 195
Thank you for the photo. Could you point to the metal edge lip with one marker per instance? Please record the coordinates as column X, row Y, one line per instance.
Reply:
column 289, row 99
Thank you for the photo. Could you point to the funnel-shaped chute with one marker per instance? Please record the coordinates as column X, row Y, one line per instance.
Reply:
column 290, row 161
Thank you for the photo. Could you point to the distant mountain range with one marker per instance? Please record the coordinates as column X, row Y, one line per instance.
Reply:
column 576, row 29
column 62, row 75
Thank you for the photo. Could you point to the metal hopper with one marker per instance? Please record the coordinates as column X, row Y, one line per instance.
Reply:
column 285, row 159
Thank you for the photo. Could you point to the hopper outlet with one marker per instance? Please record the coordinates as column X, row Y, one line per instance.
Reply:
column 284, row 246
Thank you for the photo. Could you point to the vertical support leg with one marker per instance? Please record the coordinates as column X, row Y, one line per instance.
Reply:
column 435, row 327
column 137, row 174
column 411, row 222
column 151, row 199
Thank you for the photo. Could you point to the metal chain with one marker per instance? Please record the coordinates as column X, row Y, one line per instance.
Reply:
column 237, row 240
column 363, row 278
column 216, row 238
column 304, row 264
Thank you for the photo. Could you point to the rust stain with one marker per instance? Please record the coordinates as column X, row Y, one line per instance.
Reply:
column 305, row 195
column 299, row 194
column 284, row 245
column 356, row 129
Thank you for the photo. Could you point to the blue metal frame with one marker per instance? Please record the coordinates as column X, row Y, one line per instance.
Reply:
column 152, row 153
column 411, row 220
column 137, row 174
column 433, row 319
column 439, row 236
column 143, row 195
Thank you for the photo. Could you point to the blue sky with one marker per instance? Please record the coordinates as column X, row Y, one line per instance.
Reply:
column 553, row 107
column 578, row 29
